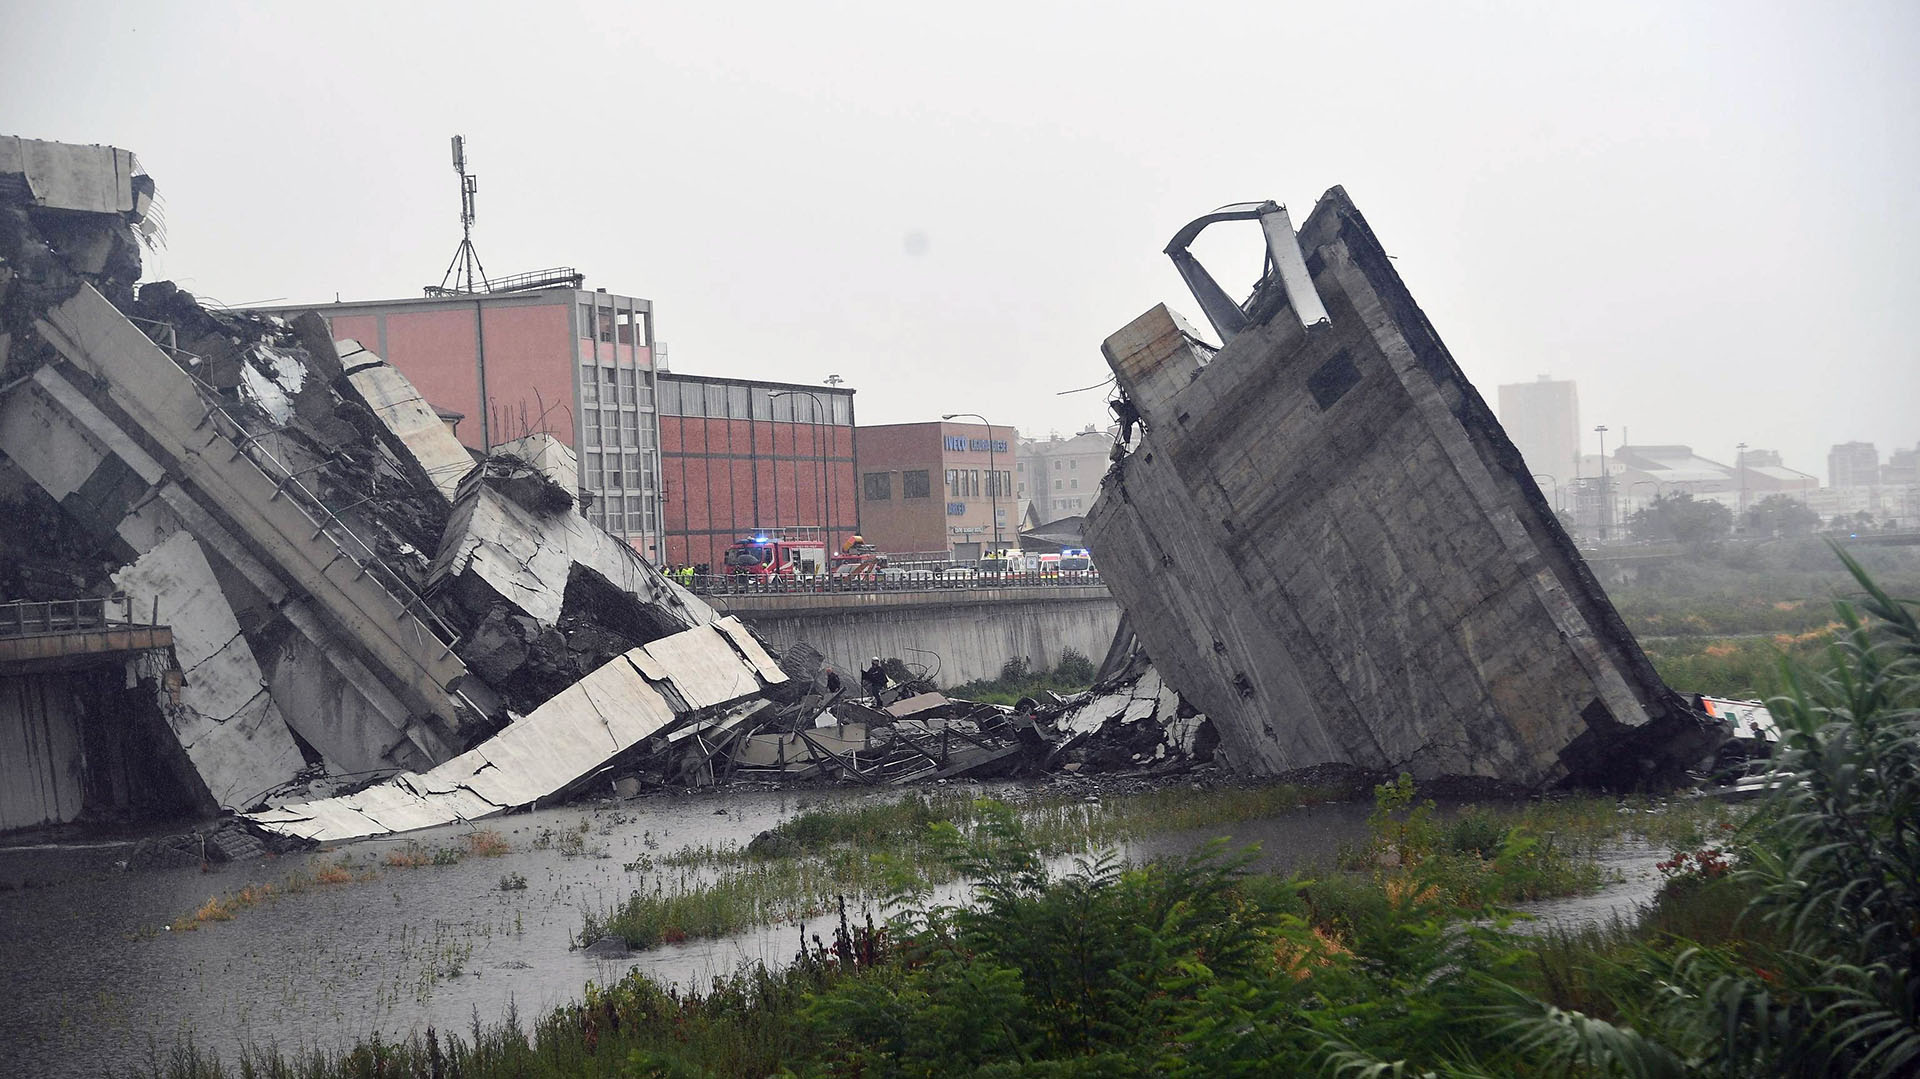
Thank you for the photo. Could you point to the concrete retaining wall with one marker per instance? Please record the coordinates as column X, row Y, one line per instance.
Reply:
column 961, row 635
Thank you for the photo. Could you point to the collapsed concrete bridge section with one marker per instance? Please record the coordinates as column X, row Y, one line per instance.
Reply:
column 1327, row 544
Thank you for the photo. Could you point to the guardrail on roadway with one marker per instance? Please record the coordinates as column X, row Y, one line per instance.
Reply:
column 32, row 618
column 911, row 581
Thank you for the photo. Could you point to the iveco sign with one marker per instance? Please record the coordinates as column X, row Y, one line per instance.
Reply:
column 976, row 445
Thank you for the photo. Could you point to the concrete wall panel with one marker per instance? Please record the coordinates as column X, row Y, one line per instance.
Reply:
column 41, row 761
column 964, row 638
column 225, row 719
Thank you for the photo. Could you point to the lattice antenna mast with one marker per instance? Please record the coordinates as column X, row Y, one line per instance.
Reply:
column 465, row 267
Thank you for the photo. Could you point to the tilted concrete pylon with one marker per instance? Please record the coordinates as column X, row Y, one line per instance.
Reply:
column 1327, row 544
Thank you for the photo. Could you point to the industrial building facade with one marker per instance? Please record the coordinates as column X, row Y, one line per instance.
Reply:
column 740, row 456
column 931, row 490
column 564, row 361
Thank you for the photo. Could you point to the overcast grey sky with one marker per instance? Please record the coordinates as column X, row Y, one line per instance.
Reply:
column 1704, row 213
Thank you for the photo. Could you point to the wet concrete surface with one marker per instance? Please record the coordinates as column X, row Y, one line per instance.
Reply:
column 96, row 982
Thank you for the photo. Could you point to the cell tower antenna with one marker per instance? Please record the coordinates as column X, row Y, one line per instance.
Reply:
column 465, row 267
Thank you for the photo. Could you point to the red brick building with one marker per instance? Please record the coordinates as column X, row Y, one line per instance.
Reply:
column 932, row 488
column 740, row 456
column 563, row 361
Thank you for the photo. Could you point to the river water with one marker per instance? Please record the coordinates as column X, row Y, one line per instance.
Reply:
column 95, row 982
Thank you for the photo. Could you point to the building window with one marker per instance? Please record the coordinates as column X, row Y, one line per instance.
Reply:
column 634, row 482
column 630, row 430
column 1074, row 483
column 625, row 375
column 1056, row 485
column 953, row 484
column 762, row 404
column 782, row 408
column 1056, row 466
column 625, row 326
column 591, row 469
column 915, row 485
column 669, row 398
column 606, row 324
column 1073, row 463
column 616, row 512
column 586, row 321
column 737, row 402
column 589, row 386
column 716, row 402
column 878, row 486
column 636, row 518
column 842, row 409
column 591, row 430
column 645, row 389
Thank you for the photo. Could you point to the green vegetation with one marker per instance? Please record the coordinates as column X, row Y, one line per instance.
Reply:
column 1074, row 673
column 1720, row 623
column 1678, row 517
column 869, row 853
column 1781, row 946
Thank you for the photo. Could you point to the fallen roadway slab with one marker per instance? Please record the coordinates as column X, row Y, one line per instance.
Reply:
column 618, row 706
column 1327, row 544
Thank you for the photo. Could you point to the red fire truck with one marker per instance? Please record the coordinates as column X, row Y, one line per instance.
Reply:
column 796, row 552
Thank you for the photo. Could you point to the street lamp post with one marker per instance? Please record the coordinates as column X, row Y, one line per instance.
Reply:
column 993, row 477
column 826, row 500
column 1606, row 495
column 1558, row 505
column 1740, row 466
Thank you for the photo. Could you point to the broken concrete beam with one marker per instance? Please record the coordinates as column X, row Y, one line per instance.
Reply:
column 372, row 609
column 1328, row 545
column 100, row 477
column 611, row 710
column 68, row 176
column 440, row 458
column 224, row 718
column 494, row 547
column 548, row 455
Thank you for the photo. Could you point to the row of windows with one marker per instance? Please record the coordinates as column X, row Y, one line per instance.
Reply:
column 1072, row 484
column 734, row 401
column 1066, row 503
column 610, row 325
column 613, row 471
column 623, row 514
column 612, row 427
column 965, row 483
column 1073, row 464
column 878, row 486
column 628, row 386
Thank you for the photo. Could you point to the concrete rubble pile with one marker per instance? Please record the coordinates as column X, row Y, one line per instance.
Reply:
column 1326, row 543
column 1133, row 720
column 350, row 594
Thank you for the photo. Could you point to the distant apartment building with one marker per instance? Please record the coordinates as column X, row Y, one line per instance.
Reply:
column 1059, row 477
column 1542, row 418
column 1902, row 468
column 538, row 355
column 1853, row 464
column 739, row 456
column 934, row 489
